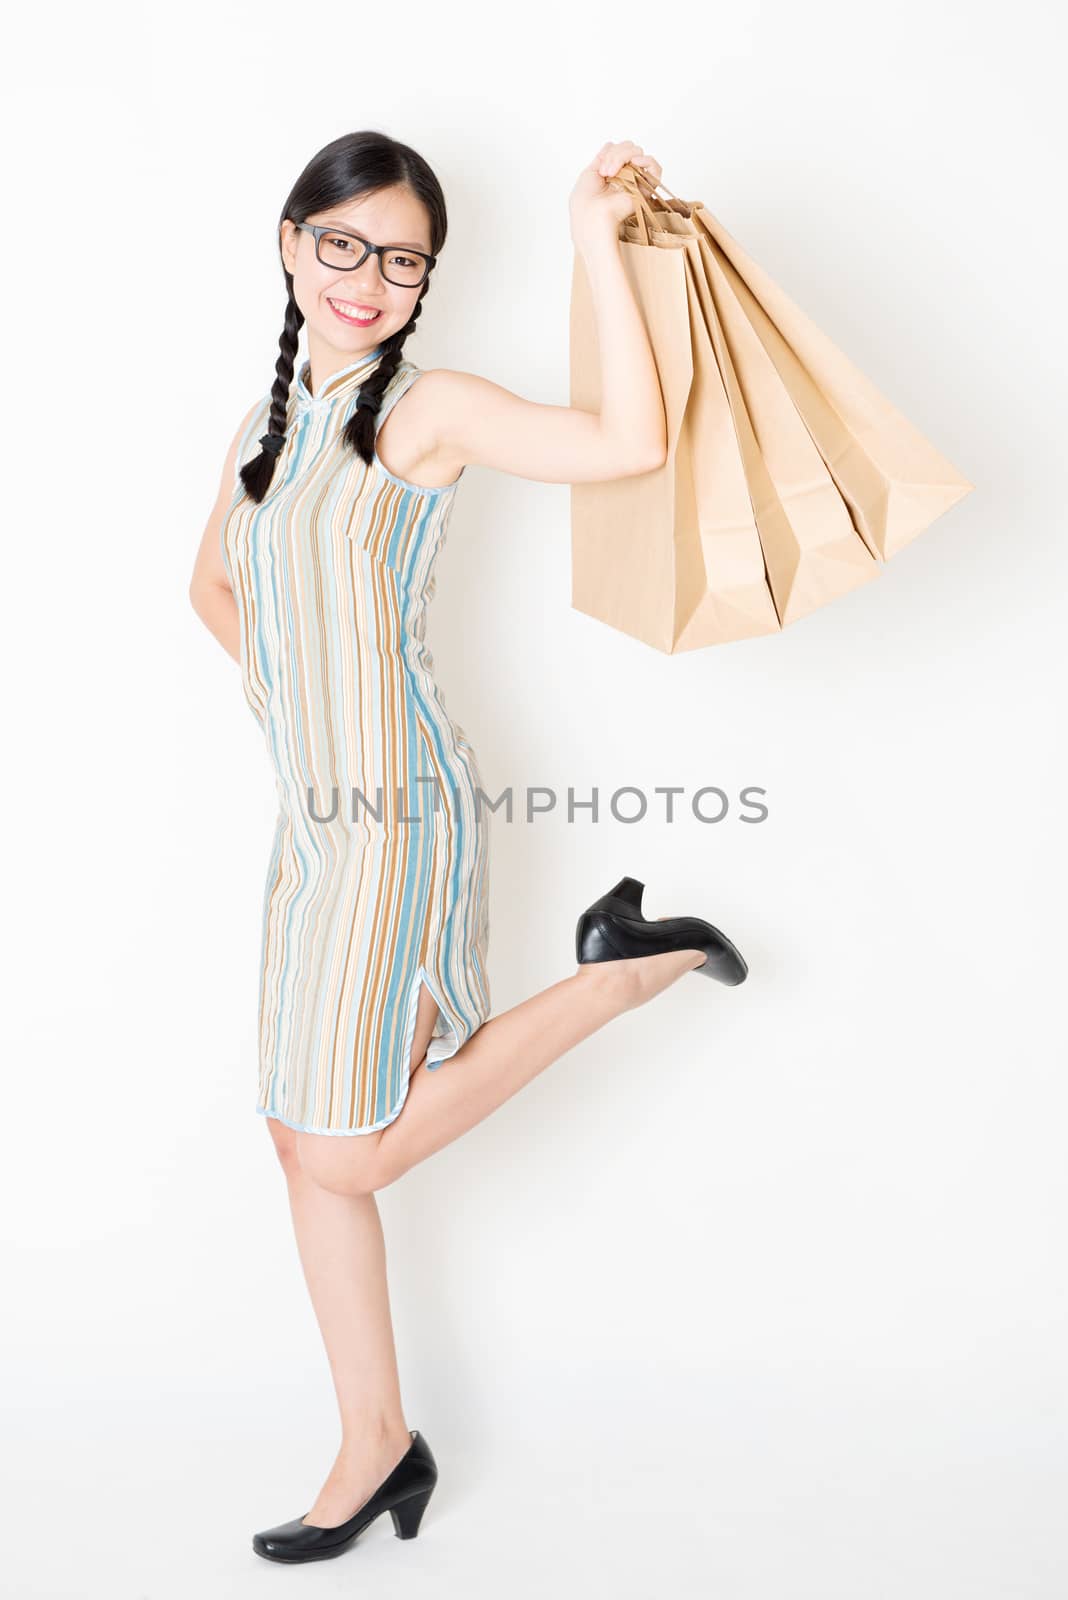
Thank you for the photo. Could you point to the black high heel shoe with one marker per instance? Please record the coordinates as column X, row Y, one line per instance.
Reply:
column 613, row 929
column 404, row 1494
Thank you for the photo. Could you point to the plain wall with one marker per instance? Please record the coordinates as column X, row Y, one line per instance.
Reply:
column 758, row 1292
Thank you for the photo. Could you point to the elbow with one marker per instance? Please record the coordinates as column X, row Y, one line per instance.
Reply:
column 654, row 455
column 631, row 465
column 200, row 593
column 653, row 462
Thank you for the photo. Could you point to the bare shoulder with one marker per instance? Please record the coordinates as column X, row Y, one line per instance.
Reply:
column 441, row 389
column 428, row 440
column 428, row 401
column 411, row 442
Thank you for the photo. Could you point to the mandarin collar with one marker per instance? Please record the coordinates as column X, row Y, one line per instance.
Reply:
column 340, row 385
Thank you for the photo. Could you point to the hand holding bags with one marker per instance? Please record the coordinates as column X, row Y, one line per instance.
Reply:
column 789, row 479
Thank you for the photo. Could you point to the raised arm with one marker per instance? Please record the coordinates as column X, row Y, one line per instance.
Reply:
column 468, row 419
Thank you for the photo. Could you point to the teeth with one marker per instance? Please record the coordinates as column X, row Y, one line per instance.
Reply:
column 352, row 313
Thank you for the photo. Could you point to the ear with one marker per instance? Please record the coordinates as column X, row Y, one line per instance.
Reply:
column 288, row 235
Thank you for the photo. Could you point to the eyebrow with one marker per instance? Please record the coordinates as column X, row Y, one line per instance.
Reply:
column 406, row 244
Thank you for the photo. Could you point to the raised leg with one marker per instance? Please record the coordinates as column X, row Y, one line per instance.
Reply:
column 504, row 1054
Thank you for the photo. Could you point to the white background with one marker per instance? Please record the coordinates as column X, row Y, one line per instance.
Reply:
column 758, row 1292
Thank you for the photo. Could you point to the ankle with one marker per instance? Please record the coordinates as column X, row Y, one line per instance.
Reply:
column 366, row 1433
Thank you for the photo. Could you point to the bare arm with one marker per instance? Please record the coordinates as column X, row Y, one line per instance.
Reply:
column 467, row 419
column 210, row 593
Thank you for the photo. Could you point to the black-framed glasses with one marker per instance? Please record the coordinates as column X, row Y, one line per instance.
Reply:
column 346, row 251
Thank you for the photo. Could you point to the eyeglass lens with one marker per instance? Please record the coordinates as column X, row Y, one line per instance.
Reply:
column 398, row 266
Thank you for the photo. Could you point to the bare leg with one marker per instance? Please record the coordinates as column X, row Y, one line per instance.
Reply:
column 338, row 1229
column 342, row 1252
column 500, row 1058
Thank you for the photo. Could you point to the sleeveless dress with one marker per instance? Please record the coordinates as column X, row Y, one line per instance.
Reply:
column 377, row 880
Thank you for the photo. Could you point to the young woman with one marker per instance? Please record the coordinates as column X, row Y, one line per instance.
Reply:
column 314, row 573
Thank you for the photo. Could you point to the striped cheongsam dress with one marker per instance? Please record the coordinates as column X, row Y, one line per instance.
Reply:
column 377, row 880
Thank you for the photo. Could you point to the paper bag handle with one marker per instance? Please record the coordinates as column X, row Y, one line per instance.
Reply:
column 635, row 180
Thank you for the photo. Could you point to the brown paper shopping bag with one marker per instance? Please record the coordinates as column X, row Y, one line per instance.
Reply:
column 619, row 572
column 788, row 479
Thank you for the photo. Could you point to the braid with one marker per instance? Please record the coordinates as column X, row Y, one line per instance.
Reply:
column 359, row 430
column 256, row 474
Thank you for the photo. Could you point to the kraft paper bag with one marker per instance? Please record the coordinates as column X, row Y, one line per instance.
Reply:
column 624, row 531
column 639, row 558
column 893, row 479
column 789, row 479
column 806, row 543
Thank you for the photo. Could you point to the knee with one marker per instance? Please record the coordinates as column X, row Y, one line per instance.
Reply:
column 346, row 1166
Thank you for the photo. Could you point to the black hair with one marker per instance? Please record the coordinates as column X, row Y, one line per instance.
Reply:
column 356, row 164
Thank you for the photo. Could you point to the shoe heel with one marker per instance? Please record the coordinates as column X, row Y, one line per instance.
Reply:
column 629, row 890
column 591, row 940
column 408, row 1515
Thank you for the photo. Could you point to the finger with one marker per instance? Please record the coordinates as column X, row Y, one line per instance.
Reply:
column 619, row 151
column 610, row 165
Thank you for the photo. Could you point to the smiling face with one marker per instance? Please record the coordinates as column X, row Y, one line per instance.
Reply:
column 329, row 297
